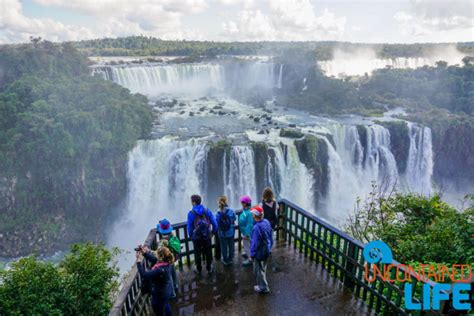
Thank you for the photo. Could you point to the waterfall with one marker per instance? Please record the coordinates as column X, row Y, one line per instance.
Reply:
column 353, row 168
column 192, row 78
column 162, row 175
column 280, row 77
column 420, row 160
column 156, row 79
column 241, row 175
column 295, row 179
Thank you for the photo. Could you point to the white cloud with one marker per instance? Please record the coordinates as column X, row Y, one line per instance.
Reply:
column 290, row 20
column 17, row 27
column 424, row 18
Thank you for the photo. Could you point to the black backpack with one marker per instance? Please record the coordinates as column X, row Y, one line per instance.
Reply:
column 202, row 226
column 224, row 222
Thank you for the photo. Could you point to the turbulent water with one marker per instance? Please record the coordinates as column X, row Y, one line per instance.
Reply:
column 208, row 145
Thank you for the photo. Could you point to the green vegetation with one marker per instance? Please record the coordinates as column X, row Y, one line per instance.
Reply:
column 149, row 46
column 417, row 228
column 82, row 284
column 64, row 139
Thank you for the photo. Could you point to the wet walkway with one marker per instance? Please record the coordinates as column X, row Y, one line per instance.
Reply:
column 298, row 287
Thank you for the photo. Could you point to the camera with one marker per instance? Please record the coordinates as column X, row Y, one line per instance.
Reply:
column 138, row 248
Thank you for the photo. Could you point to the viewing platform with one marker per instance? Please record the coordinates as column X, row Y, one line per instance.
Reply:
column 315, row 269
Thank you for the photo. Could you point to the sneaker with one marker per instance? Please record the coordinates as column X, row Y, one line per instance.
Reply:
column 247, row 263
column 197, row 271
column 211, row 270
column 223, row 262
column 257, row 289
column 245, row 256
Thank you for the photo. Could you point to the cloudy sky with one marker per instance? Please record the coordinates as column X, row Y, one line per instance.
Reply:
column 403, row 21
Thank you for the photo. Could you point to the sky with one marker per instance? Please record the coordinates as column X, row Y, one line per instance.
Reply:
column 376, row 21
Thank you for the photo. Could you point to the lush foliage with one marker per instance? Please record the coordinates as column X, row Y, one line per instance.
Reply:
column 417, row 228
column 82, row 284
column 64, row 137
column 149, row 46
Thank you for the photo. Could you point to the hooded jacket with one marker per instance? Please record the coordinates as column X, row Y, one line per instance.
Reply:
column 200, row 210
column 261, row 230
column 246, row 222
column 159, row 276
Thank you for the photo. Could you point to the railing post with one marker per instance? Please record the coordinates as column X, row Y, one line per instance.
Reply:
column 349, row 267
column 282, row 220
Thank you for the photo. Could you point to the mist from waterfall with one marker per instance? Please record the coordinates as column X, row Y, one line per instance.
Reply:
column 363, row 61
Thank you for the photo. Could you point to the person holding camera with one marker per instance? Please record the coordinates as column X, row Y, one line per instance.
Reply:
column 170, row 241
column 159, row 277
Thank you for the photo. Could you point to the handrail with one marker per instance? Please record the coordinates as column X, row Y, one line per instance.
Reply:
column 130, row 301
column 336, row 251
column 342, row 255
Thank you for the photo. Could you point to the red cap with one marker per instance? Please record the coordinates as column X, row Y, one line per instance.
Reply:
column 257, row 210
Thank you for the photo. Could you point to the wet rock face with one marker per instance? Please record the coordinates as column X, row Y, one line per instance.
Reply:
column 313, row 152
column 261, row 156
column 291, row 133
column 453, row 147
column 215, row 166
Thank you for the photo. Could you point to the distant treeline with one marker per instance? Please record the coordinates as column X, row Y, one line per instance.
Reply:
column 150, row 46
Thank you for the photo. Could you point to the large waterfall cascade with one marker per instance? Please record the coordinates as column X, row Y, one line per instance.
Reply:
column 163, row 173
column 154, row 79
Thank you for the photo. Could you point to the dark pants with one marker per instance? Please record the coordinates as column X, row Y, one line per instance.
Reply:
column 161, row 306
column 227, row 248
column 203, row 248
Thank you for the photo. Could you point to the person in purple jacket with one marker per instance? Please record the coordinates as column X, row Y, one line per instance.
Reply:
column 201, row 227
column 261, row 244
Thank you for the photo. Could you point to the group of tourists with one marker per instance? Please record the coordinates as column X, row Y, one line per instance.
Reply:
column 256, row 225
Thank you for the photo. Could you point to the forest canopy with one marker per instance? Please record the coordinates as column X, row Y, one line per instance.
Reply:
column 64, row 139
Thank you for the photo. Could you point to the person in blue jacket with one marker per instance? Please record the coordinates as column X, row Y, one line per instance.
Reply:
column 260, row 248
column 159, row 276
column 201, row 227
column 245, row 226
column 225, row 218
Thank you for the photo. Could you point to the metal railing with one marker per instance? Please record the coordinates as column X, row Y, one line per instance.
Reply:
column 336, row 251
column 343, row 257
column 130, row 300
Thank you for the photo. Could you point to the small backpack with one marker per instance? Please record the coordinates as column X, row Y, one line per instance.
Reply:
column 175, row 246
column 202, row 226
column 224, row 222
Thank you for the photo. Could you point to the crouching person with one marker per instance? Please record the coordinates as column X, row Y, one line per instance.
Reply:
column 159, row 276
column 260, row 248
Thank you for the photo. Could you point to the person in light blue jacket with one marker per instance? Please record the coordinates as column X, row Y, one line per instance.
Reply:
column 245, row 225
column 225, row 218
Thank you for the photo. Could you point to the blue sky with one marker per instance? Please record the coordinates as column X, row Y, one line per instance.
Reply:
column 401, row 21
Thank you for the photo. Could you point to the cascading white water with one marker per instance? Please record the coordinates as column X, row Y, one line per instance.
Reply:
column 292, row 177
column 420, row 160
column 192, row 78
column 153, row 80
column 353, row 168
column 240, row 178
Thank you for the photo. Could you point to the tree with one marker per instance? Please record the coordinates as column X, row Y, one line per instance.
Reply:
column 83, row 284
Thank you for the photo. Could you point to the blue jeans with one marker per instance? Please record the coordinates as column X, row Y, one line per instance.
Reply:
column 227, row 248
column 161, row 306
